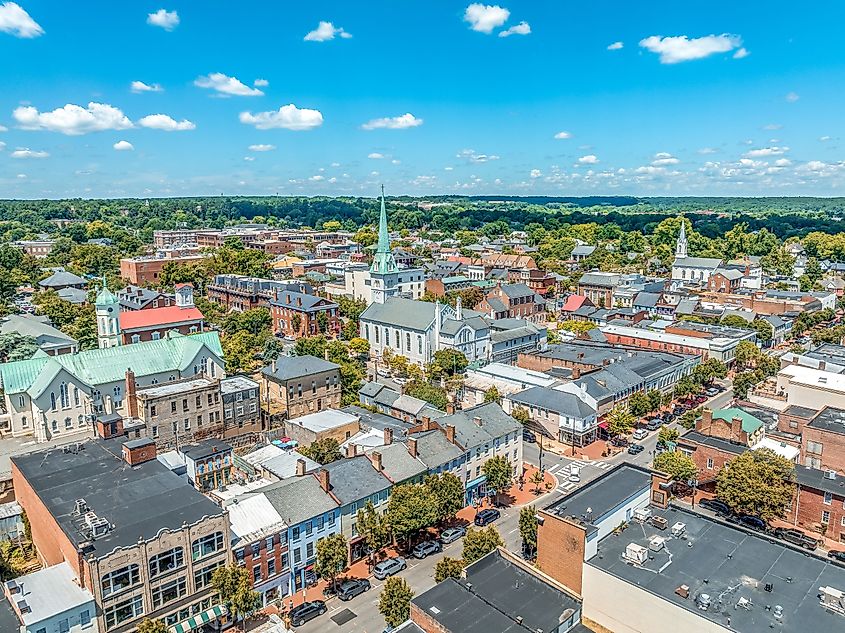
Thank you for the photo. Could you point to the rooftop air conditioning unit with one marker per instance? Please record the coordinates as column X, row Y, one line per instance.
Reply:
column 679, row 529
column 830, row 474
column 703, row 601
column 656, row 543
column 636, row 554
column 642, row 515
column 80, row 507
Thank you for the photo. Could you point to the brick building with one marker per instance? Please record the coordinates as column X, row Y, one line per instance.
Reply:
column 298, row 314
column 141, row 541
column 823, row 440
column 239, row 292
column 296, row 385
column 513, row 301
column 146, row 270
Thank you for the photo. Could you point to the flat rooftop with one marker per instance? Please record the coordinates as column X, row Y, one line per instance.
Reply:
column 589, row 503
column 174, row 388
column 727, row 563
column 324, row 420
column 829, row 419
column 237, row 383
column 138, row 501
column 50, row 592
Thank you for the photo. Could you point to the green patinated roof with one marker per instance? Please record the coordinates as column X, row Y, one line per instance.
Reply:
column 383, row 261
column 105, row 296
column 99, row 366
column 749, row 423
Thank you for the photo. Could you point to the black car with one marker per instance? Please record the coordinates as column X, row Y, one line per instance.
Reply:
column 635, row 449
column 421, row 550
column 528, row 436
column 486, row 516
column 619, row 441
column 796, row 537
column 654, row 424
column 837, row 554
column 719, row 507
column 307, row 611
column 752, row 522
column 353, row 587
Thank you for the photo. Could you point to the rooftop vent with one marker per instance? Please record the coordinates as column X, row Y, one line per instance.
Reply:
column 98, row 525
column 80, row 507
column 23, row 607
column 830, row 474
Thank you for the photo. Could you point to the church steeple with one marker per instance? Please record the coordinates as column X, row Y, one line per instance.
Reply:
column 383, row 261
column 681, row 246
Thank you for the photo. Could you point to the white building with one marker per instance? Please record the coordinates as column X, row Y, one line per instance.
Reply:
column 691, row 270
column 358, row 283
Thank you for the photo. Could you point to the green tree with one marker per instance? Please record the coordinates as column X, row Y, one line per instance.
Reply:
column 678, row 466
column 16, row 346
column 322, row 322
column 743, row 382
column 411, row 507
column 324, row 451
column 492, row 395
column 576, row 327
column 448, row 362
column 655, row 399
column 620, row 421
column 499, row 473
column 747, row 353
column 372, row 526
column 233, row 583
column 639, row 404
column 757, row 482
column 705, row 372
column 359, row 346
column 448, row 492
column 479, row 543
column 332, row 556
column 152, row 626
column 667, row 434
column 521, row 415
column 448, row 567
column 395, row 601
column 528, row 528
column 296, row 323
column 435, row 396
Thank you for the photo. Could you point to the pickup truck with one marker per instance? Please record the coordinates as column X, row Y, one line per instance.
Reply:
column 796, row 537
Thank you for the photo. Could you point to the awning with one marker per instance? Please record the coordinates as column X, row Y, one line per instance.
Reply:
column 476, row 482
column 603, row 425
column 199, row 619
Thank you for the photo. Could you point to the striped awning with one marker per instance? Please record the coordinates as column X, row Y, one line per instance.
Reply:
column 199, row 619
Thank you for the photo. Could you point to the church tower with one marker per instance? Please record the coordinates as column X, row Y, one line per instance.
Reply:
column 681, row 246
column 107, row 307
column 384, row 273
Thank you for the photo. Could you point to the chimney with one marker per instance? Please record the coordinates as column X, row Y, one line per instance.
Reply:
column 300, row 467
column 477, row 421
column 426, row 423
column 377, row 460
column 450, row 408
column 576, row 373
column 736, row 427
column 323, row 477
column 131, row 397
column 388, row 436
column 822, row 365
column 706, row 419
column 450, row 433
column 136, row 452
column 412, row 446
column 351, row 450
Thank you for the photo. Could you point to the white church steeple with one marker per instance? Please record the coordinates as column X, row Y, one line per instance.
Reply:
column 681, row 246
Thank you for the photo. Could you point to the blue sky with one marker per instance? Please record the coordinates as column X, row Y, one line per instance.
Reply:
column 658, row 98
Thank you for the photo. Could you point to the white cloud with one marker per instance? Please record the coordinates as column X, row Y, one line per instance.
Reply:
column 682, row 49
column 484, row 17
column 25, row 152
column 824, row 139
column 168, row 20
column 2, row 145
column 3, row 128
column 783, row 162
column 73, row 120
column 261, row 148
column 123, row 146
column 260, row 83
column 393, row 123
column 226, row 85
column 474, row 157
column 139, row 86
column 616, row 46
column 288, row 117
column 563, row 135
column 16, row 21
column 523, row 28
column 707, row 150
column 326, row 31
column 335, row 165
column 589, row 159
column 536, row 173
column 792, row 97
column 766, row 151
column 21, row 176
column 741, row 52
column 316, row 178
column 396, row 161
column 165, row 123
column 664, row 158
column 249, row 159
column 772, row 126
column 375, row 155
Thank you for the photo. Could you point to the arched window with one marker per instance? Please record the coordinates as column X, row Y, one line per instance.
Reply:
column 55, row 426
column 408, row 341
column 63, row 395
column 53, row 401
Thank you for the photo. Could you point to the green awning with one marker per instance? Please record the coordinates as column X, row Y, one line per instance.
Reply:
column 199, row 619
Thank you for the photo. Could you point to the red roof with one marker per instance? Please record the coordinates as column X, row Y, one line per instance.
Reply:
column 138, row 319
column 573, row 302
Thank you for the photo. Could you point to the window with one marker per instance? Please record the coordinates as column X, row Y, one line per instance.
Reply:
column 120, row 579
column 123, row 611
column 709, row 463
column 828, row 498
column 320, row 522
column 24, row 421
column 295, row 536
column 268, row 543
column 184, row 404
column 297, row 556
column 198, row 401
column 271, row 567
column 408, row 341
column 814, row 447
column 64, row 627
column 153, row 412
column 206, row 545
column 313, row 386
column 85, row 617
column 136, row 338
column 172, row 406
column 227, row 413
column 156, row 336
column 169, row 591
column 331, row 518
column 309, row 550
column 308, row 528
column 256, row 549
column 187, row 424
column 826, row 517
column 52, row 401
column 63, row 396
column 396, row 338
column 253, row 407
column 155, row 432
column 55, row 426
column 256, row 573
column 285, row 561
column 419, row 344
column 164, row 562
column 239, row 553
column 68, row 424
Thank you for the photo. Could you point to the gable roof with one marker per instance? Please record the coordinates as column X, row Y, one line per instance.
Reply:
column 554, row 400
column 749, row 423
column 494, row 423
column 399, row 312
column 289, row 367
column 354, row 479
column 397, row 463
column 573, row 302
column 62, row 278
column 170, row 315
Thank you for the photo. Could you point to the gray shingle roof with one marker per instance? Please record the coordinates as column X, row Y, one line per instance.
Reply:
column 434, row 449
column 298, row 499
column 397, row 462
column 494, row 423
column 399, row 312
column 517, row 290
column 62, row 278
column 559, row 401
column 289, row 367
column 354, row 479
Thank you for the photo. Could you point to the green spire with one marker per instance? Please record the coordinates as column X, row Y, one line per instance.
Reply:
column 105, row 296
column 383, row 261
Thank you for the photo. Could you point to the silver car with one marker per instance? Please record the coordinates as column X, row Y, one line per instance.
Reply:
column 389, row 567
column 451, row 535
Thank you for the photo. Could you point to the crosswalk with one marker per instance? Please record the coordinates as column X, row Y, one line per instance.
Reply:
column 586, row 462
column 567, row 486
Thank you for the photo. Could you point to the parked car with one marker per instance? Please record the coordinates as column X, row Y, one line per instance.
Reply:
column 310, row 578
column 450, row 535
column 752, row 522
column 488, row 515
column 837, row 554
column 719, row 507
column 307, row 611
column 640, row 434
column 528, row 436
column 352, row 587
column 384, row 373
column 619, row 441
column 654, row 424
column 712, row 391
column 389, row 567
column 400, row 381
column 796, row 537
column 635, row 449
column 421, row 550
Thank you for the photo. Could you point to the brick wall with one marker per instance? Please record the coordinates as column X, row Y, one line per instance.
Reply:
column 832, row 454
column 730, row 430
column 701, row 454
column 807, row 508
column 560, row 550
column 425, row 621
column 791, row 423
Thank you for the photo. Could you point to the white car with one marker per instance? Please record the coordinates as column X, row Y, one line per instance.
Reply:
column 400, row 381
column 640, row 434
column 384, row 373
